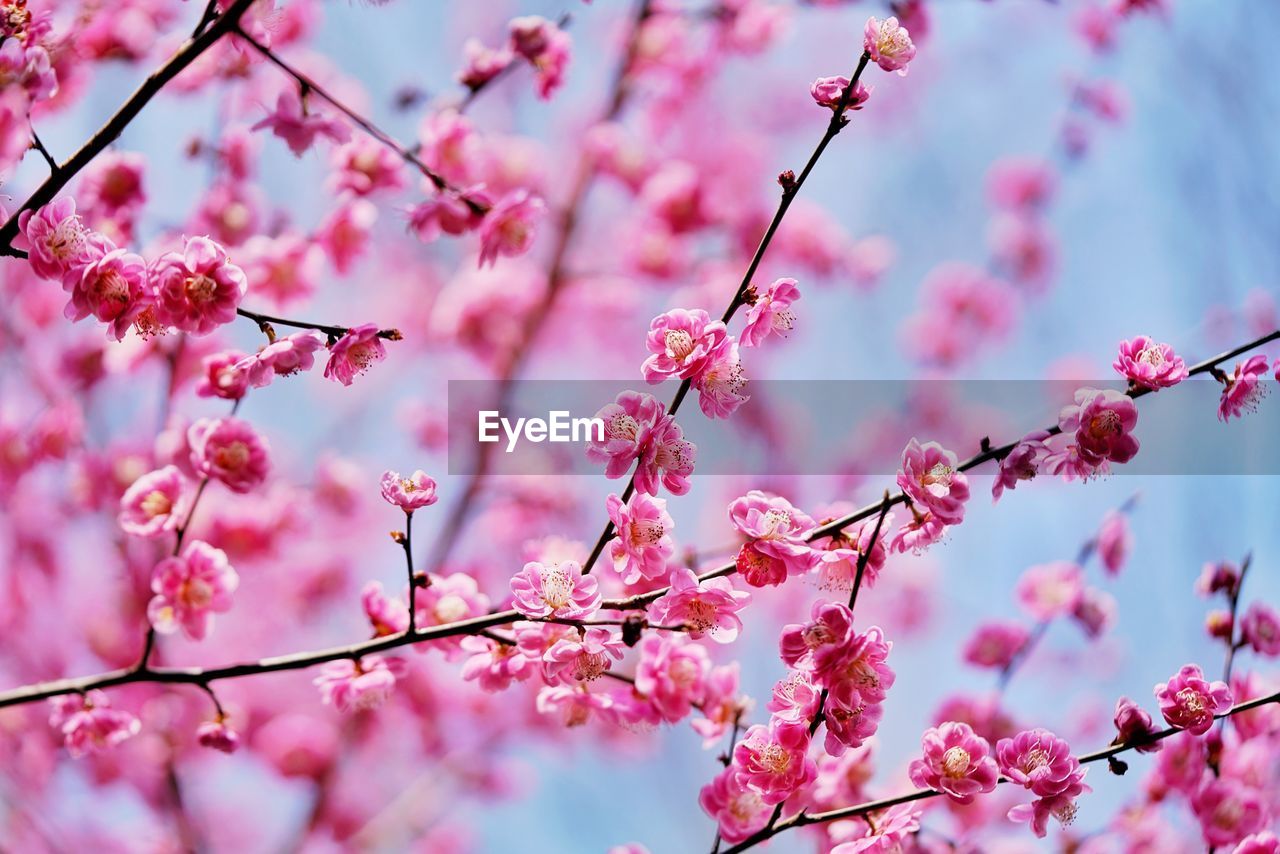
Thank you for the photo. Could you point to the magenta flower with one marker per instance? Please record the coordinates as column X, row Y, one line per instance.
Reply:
column 739, row 810
column 1021, row 184
column 1228, row 811
column 776, row 529
column 1149, row 365
column 628, row 431
column 299, row 124
column 229, row 450
column 507, row 229
column 922, row 531
column 771, row 312
column 889, row 44
column 197, row 290
column 409, row 493
column 1188, row 701
column 155, row 503
column 837, row 564
column 858, row 673
column 482, row 63
column 1220, row 577
column 1038, row 760
column 672, row 674
column 1101, row 421
column 364, row 166
column 1243, row 390
column 574, row 705
column 665, row 458
column 1061, row 806
column 1265, row 842
column 354, row 353
column 1095, row 611
column 683, row 344
column 558, row 590
column 493, row 665
column 794, row 698
column 643, row 542
column 996, row 644
column 723, row 704
column 88, row 724
column 850, row 719
column 720, row 386
column 827, row 635
column 888, row 835
column 1134, row 726
column 931, row 479
column 386, row 615
column 1260, row 628
column 773, row 760
column 827, row 92
column 221, row 376
column 956, row 762
column 281, row 358
column 545, row 46
column 709, row 607
column 358, row 684
column 58, row 240
column 112, row 288
column 1114, row 541
column 1050, row 590
column 582, row 658
column 1021, row 463
column 759, row 569
column 189, row 589
column 216, row 735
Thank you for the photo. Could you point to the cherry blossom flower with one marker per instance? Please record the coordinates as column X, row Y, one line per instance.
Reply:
column 1228, row 811
column 1102, row 422
column 723, row 705
column 387, row 615
column 931, row 479
column 88, row 724
column 996, row 644
column 189, row 589
column 364, row 166
column 583, row 659
column 113, row 288
column 770, row 312
column 1050, row 590
column 450, row 212
column 888, row 834
column 558, row 590
column 777, row 531
column 794, row 698
column 837, row 562
column 1114, row 541
column 665, row 458
column 358, row 684
column 643, row 542
column 354, row 353
column 296, row 122
column 198, row 289
column 221, row 376
column 773, row 760
column 1095, row 611
column 408, row 493
column 628, row 428
column 493, row 665
column 1260, row 628
column 1134, row 726
column 344, row 233
column 155, row 503
column 507, row 229
column 738, row 809
column 1038, row 760
column 1265, row 842
column 574, row 705
column 922, row 531
column 282, row 357
column 217, row 735
column 1219, row 577
column 850, row 719
column 482, row 63
column 60, row 243
column 956, row 762
column 1189, row 701
column 720, row 386
column 229, row 450
column 1244, row 389
column 708, row 608
column 827, row 634
column 449, row 599
column 672, row 674
column 1021, row 184
column 1061, row 806
column 889, row 44
column 857, row 673
column 827, row 92
column 1149, row 365
column 683, row 344
column 545, row 46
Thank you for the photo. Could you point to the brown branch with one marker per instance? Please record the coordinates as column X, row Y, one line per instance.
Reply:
column 801, row 819
column 265, row 320
column 115, row 125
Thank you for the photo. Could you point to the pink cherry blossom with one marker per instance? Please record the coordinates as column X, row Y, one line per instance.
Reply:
column 1094, row 612
column 956, row 762
column 1061, row 806
column 113, row 288
column 493, row 665
column 408, row 493
column 917, row 535
column 708, row 608
column 723, row 704
column 1218, row 577
column 1102, row 422
column 583, row 659
column 450, row 212
column 282, row 357
column 1021, row 184
column 850, row 720
column 1149, row 365
column 794, row 698
column 643, row 542
column 1244, row 389
column 1021, row 463
column 59, row 241
column 1134, row 725
column 574, row 705
column 858, row 673
column 1228, row 811
column 556, row 590
column 344, row 233
column 888, row 835
column 770, row 312
column 996, row 644
column 1260, row 628
column 889, row 44
column 364, row 166
column 672, row 674
column 358, row 684
column 827, row 92
column 482, row 63
column 387, row 615
column 1114, row 541
column 155, row 503
column 229, row 450
column 628, row 431
column 88, row 724
column 931, row 479
column 665, row 458
column 1040, row 761
column 1050, row 590
column 1189, row 701
column 508, row 228
column 720, row 386
column 826, row 636
column 1265, row 842
column 300, row 123
column 221, row 376
column 738, row 809
column 448, row 599
column 683, row 344
column 777, row 530
column 217, row 735
column 837, row 563
column 545, row 46
column 354, row 353
column 773, row 760
column 198, row 289
column 189, row 589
